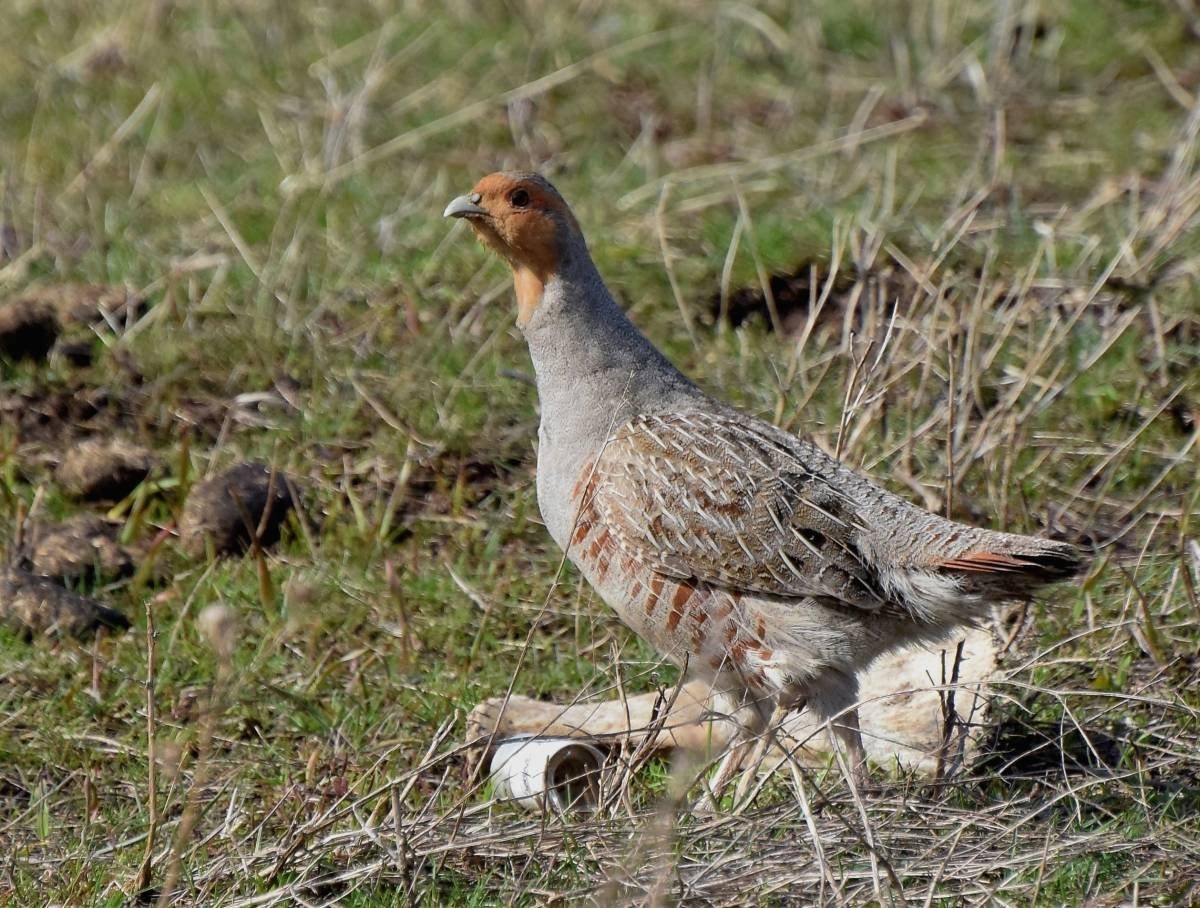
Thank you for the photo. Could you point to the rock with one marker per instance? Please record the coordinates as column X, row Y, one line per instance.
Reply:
column 33, row 605
column 28, row 329
column 99, row 470
column 229, row 510
column 82, row 547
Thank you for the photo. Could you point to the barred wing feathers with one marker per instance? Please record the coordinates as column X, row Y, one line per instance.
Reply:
column 721, row 499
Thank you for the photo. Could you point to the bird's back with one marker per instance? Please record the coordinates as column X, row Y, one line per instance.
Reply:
column 714, row 496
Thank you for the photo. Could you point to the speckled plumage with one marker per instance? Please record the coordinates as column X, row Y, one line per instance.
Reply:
column 735, row 548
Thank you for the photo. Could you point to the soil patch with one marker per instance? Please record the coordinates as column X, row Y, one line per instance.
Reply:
column 451, row 483
column 792, row 295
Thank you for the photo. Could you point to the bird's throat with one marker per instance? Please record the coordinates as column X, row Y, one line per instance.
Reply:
column 529, row 289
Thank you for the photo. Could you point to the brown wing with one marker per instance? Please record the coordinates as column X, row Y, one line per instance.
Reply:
column 724, row 500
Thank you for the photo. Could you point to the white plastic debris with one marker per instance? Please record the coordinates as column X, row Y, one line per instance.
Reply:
column 902, row 713
column 561, row 773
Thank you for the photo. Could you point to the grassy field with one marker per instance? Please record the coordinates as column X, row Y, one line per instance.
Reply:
column 981, row 219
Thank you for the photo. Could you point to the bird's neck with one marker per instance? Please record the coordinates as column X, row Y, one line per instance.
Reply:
column 594, row 368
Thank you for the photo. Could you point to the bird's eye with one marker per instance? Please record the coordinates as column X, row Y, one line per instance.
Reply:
column 519, row 199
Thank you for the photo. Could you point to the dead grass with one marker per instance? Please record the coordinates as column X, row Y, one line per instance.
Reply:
column 986, row 217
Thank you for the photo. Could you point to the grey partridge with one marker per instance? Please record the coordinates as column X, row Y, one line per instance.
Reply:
column 735, row 548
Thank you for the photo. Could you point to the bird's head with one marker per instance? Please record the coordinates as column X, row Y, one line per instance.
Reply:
column 522, row 217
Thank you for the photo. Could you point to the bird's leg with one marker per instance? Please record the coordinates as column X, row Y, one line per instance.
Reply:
column 730, row 764
column 750, row 773
column 849, row 736
column 742, row 743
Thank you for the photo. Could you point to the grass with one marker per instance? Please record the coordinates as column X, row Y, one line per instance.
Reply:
column 1014, row 183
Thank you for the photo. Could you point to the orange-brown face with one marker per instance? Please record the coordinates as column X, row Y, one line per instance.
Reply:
column 521, row 217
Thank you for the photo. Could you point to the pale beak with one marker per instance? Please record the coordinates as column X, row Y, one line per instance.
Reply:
column 465, row 206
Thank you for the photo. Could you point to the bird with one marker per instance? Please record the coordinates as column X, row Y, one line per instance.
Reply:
column 739, row 551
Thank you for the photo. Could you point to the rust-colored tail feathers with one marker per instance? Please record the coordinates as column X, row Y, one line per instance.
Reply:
column 1043, row 563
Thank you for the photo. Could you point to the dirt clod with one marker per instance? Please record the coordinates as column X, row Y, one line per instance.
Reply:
column 244, row 502
column 86, row 303
column 33, row 605
column 100, row 470
column 78, row 353
column 83, row 546
column 28, row 329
